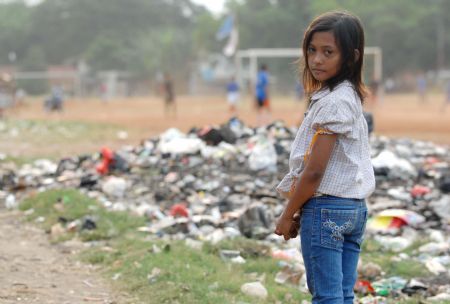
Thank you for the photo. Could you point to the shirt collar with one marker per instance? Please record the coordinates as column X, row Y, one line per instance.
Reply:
column 325, row 91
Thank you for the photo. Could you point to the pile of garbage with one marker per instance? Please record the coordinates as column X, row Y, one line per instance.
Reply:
column 215, row 183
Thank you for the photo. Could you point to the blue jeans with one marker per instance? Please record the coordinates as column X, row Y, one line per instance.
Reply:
column 332, row 231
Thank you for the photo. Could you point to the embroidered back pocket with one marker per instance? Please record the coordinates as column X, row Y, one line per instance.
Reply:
column 334, row 224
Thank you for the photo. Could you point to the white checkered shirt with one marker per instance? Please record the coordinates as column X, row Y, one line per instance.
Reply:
column 349, row 172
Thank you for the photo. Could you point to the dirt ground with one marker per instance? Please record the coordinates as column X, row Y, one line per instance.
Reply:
column 33, row 271
column 400, row 115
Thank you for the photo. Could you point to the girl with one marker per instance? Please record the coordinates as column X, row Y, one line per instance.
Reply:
column 330, row 168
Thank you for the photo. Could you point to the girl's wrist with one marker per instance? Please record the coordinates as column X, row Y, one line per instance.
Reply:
column 287, row 214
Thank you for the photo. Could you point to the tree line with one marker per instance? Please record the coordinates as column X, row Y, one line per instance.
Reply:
column 147, row 36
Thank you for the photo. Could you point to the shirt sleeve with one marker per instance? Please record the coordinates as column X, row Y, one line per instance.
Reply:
column 334, row 117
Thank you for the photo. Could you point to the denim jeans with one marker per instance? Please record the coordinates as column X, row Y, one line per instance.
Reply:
column 332, row 231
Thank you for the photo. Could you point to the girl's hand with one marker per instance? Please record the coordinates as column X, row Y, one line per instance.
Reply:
column 288, row 227
column 283, row 227
column 295, row 227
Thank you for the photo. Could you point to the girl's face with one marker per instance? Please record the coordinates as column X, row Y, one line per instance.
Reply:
column 324, row 56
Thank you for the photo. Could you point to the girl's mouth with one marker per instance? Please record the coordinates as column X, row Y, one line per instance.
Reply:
column 317, row 71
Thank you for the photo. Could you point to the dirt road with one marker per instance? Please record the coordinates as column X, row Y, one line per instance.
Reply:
column 33, row 271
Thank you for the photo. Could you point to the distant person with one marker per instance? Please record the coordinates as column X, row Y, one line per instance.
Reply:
column 447, row 97
column 389, row 85
column 104, row 92
column 19, row 97
column 233, row 96
column 170, row 106
column 262, row 96
column 56, row 100
column 421, row 84
column 331, row 172
column 374, row 89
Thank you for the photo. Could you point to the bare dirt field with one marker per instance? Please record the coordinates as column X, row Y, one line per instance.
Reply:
column 33, row 271
column 400, row 115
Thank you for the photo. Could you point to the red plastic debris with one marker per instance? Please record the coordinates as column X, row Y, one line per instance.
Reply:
column 179, row 210
column 419, row 191
column 431, row 161
column 107, row 159
column 364, row 287
column 397, row 222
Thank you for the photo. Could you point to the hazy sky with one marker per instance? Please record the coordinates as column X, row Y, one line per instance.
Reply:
column 216, row 6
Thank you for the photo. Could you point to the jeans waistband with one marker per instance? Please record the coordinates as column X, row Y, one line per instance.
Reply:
column 338, row 201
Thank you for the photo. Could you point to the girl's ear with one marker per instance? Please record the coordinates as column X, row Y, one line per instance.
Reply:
column 357, row 54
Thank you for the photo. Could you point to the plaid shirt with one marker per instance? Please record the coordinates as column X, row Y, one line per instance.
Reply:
column 349, row 172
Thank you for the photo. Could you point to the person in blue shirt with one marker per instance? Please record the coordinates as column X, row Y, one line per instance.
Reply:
column 233, row 95
column 421, row 83
column 262, row 95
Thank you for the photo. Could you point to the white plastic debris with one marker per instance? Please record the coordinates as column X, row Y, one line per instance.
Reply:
column 255, row 289
column 181, row 146
column 10, row 202
column 435, row 248
column 263, row 156
column 115, row 186
column 434, row 266
column 387, row 159
column 395, row 244
column 122, row 135
column 442, row 207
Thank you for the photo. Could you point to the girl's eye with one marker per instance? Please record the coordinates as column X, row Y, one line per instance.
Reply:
column 310, row 50
column 328, row 52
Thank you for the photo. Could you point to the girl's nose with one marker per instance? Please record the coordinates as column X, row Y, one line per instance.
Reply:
column 317, row 59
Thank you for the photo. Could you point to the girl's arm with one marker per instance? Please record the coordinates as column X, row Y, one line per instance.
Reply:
column 308, row 182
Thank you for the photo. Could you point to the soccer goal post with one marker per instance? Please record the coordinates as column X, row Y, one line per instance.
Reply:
column 253, row 55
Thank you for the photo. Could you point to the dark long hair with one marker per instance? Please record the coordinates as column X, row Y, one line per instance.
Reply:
column 349, row 35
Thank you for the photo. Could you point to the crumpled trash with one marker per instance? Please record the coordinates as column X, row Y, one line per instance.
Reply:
column 442, row 207
column 389, row 286
column 396, row 244
column 263, row 156
column 174, row 142
column 398, row 167
column 233, row 256
column 435, row 248
column 444, row 183
column 11, row 202
column 372, row 300
column 88, row 224
column 440, row 297
column 419, row 191
column 413, row 287
column 369, row 270
column 115, row 186
column 214, row 136
column 153, row 276
column 364, row 287
column 256, row 222
column 290, row 254
column 255, row 289
column 434, row 266
column 179, row 210
column 394, row 218
column 290, row 274
column 111, row 162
